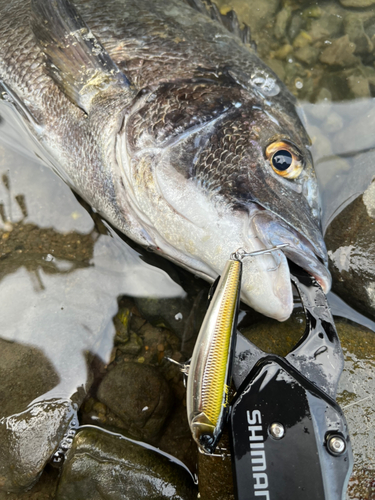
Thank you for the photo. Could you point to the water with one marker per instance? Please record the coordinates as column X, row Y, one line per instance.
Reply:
column 65, row 273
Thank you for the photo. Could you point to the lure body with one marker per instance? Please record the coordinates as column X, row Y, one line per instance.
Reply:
column 209, row 371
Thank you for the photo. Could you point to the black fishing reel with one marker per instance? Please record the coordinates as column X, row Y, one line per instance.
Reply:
column 289, row 437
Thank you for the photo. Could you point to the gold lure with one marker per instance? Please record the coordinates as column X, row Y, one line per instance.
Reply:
column 209, row 371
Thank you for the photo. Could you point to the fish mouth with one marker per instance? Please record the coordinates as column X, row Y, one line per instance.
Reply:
column 272, row 231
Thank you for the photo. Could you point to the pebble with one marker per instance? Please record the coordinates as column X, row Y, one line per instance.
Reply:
column 357, row 3
column 302, row 40
column 333, row 123
column 281, row 23
column 308, row 55
column 359, row 85
column 340, row 53
column 353, row 27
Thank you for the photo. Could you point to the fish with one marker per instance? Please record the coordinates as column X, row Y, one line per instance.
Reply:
column 163, row 118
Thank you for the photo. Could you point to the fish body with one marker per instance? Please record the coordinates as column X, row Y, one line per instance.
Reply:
column 172, row 128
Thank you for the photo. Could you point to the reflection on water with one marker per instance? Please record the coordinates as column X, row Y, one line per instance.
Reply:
column 344, row 155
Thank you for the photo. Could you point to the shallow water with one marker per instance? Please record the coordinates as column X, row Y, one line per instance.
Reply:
column 65, row 273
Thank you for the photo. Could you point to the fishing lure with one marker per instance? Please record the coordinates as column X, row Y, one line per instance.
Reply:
column 209, row 373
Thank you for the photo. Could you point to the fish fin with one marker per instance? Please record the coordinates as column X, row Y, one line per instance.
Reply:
column 76, row 60
column 229, row 20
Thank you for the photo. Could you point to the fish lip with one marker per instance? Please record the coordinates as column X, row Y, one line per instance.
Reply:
column 316, row 268
column 272, row 231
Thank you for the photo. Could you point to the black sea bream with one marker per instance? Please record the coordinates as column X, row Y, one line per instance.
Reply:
column 160, row 115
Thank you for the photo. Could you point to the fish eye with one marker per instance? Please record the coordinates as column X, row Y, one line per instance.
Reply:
column 284, row 160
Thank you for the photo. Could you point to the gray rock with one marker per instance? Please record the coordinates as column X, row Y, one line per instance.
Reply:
column 333, row 123
column 308, row 54
column 281, row 23
column 353, row 27
column 101, row 466
column 359, row 85
column 340, row 53
column 179, row 315
column 139, row 395
column 28, row 441
column 327, row 27
column 177, row 439
column 252, row 12
column 25, row 374
column 350, row 240
column 296, row 23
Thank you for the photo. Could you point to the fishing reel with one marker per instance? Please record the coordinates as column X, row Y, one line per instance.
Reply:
column 289, row 437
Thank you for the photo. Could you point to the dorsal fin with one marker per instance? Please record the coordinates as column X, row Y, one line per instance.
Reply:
column 76, row 60
column 229, row 20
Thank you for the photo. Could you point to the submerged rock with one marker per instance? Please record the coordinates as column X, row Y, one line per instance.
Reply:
column 357, row 3
column 353, row 27
column 350, row 240
column 29, row 432
column 102, row 466
column 28, row 441
column 340, row 53
column 139, row 395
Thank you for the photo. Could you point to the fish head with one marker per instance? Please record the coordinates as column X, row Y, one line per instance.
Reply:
column 209, row 170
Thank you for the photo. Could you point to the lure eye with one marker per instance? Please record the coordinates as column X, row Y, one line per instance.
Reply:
column 284, row 160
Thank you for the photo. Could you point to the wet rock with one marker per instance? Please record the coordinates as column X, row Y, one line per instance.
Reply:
column 121, row 322
column 322, row 105
column 277, row 67
column 45, row 488
column 283, row 52
column 28, row 441
column 101, row 466
column 350, row 240
column 357, row 3
column 177, row 439
column 29, row 435
column 133, row 346
column 353, row 27
column 308, row 55
column 340, row 53
column 139, row 395
column 252, row 12
column 359, row 85
column 329, row 26
column 281, row 23
column 356, row 392
column 302, row 40
column 313, row 11
column 25, row 374
column 295, row 26
column 166, row 313
column 333, row 123
column 215, row 474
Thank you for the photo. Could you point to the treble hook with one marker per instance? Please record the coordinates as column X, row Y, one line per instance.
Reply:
column 240, row 254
